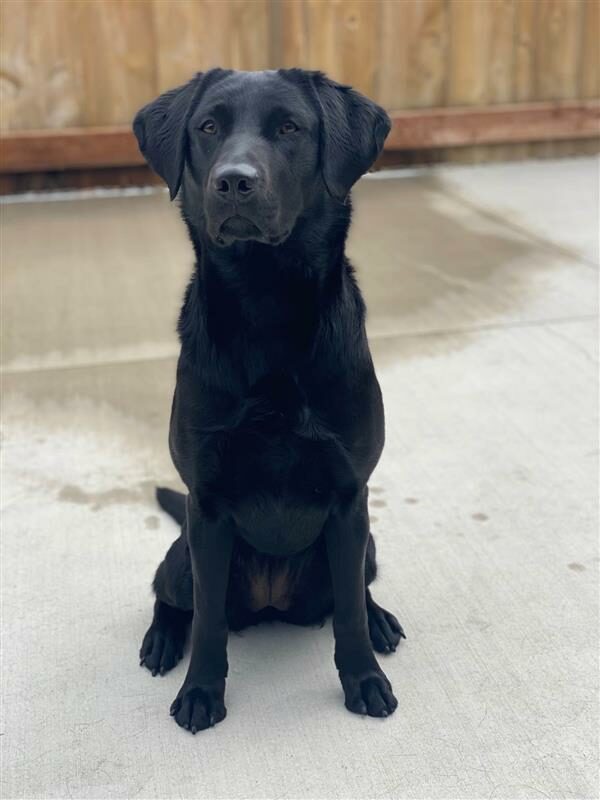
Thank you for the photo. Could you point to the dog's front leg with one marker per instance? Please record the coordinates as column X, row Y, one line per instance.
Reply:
column 366, row 688
column 201, row 700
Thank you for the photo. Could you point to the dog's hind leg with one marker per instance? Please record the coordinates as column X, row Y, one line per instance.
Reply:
column 313, row 600
column 385, row 631
column 163, row 643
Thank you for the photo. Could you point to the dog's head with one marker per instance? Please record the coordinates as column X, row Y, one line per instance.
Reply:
column 254, row 149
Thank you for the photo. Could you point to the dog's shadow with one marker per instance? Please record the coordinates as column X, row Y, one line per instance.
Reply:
column 277, row 659
column 281, row 660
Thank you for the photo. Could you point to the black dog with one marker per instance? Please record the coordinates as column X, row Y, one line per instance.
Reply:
column 277, row 418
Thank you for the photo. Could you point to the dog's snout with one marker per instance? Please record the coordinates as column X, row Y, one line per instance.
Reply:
column 235, row 181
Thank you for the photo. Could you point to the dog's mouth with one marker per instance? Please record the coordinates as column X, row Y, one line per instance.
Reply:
column 242, row 229
column 237, row 227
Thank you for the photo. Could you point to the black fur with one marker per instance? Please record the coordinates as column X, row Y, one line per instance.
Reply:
column 277, row 417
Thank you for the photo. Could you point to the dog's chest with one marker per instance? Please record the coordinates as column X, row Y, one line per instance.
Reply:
column 280, row 439
column 277, row 467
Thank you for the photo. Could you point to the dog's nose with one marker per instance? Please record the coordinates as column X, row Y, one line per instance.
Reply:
column 235, row 181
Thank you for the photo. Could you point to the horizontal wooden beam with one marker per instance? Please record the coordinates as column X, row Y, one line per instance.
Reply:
column 69, row 148
column 426, row 129
column 503, row 124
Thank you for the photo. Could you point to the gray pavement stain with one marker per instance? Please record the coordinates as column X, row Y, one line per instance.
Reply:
column 413, row 243
column 414, row 247
column 71, row 493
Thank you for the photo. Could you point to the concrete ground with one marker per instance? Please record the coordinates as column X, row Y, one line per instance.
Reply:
column 482, row 287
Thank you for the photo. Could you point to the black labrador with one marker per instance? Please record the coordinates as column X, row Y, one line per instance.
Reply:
column 277, row 418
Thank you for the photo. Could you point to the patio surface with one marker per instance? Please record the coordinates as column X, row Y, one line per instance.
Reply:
column 482, row 289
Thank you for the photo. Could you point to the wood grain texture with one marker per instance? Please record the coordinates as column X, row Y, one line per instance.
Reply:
column 524, row 73
column 590, row 55
column 414, row 51
column 77, row 148
column 69, row 148
column 470, row 35
column 340, row 37
column 40, row 66
column 560, row 28
column 525, row 42
column 118, row 57
column 89, row 63
column 195, row 36
column 558, row 61
column 497, row 124
column 289, row 34
column 500, row 64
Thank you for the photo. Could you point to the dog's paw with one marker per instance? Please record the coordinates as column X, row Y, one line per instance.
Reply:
column 369, row 693
column 162, row 648
column 199, row 707
column 384, row 629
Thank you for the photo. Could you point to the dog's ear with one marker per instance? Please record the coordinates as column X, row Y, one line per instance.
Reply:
column 161, row 131
column 353, row 130
column 161, row 128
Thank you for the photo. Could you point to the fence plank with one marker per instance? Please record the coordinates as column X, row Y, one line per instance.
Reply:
column 289, row 40
column 339, row 36
column 470, row 46
column 501, row 58
column 414, row 45
column 194, row 35
column 524, row 72
column 558, row 61
column 40, row 55
column 117, row 50
column 558, row 55
column 470, row 34
column 500, row 66
column 590, row 56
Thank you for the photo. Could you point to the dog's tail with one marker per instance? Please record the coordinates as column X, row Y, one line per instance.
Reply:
column 172, row 502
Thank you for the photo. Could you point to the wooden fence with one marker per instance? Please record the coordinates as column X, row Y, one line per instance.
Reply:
column 92, row 63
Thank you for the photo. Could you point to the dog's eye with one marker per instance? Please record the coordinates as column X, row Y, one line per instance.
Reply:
column 210, row 126
column 288, row 127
